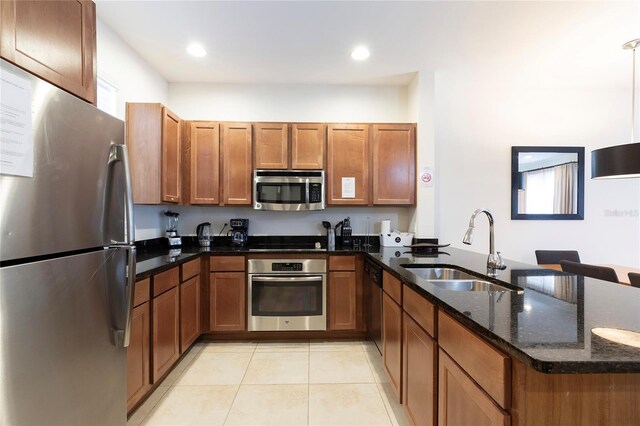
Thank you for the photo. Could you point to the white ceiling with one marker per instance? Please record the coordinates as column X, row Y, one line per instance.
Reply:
column 310, row 42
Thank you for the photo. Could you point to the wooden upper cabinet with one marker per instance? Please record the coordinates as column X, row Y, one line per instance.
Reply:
column 236, row 164
column 55, row 40
column 153, row 142
column 393, row 164
column 202, row 148
column 271, row 145
column 347, row 157
column 171, row 161
column 307, row 146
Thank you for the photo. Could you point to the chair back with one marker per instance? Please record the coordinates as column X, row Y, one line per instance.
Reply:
column 600, row 272
column 546, row 257
column 634, row 279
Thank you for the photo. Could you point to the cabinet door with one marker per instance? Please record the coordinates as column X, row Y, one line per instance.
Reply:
column 394, row 159
column 236, row 164
column 166, row 349
column 271, row 146
column 144, row 143
column 418, row 373
column 55, row 40
column 227, row 301
column 189, row 312
column 462, row 402
column 307, row 146
column 392, row 342
column 170, row 156
column 347, row 157
column 342, row 300
column 138, row 356
column 204, row 158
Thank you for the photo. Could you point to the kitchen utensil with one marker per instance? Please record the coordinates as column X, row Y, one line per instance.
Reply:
column 171, row 228
column 331, row 235
column 204, row 234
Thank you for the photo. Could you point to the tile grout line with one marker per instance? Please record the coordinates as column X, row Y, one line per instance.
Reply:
column 309, row 386
column 168, row 387
column 378, row 386
column 240, row 384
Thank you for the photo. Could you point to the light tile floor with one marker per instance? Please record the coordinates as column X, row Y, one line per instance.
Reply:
column 273, row 383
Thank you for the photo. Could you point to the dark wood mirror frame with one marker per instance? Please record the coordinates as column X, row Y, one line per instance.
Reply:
column 515, row 151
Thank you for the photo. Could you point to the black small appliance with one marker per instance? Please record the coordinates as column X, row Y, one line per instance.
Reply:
column 239, row 231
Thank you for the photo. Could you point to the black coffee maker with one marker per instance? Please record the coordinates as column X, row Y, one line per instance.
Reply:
column 239, row 231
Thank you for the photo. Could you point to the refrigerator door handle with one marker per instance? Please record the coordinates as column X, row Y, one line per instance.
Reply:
column 118, row 152
column 122, row 336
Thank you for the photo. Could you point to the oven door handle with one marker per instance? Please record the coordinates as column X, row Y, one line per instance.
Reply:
column 288, row 278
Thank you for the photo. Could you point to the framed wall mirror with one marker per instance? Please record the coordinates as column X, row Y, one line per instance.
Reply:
column 547, row 183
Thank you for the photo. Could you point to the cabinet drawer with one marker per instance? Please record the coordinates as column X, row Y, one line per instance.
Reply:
column 421, row 310
column 226, row 263
column 392, row 286
column 342, row 263
column 490, row 368
column 461, row 401
column 165, row 281
column 141, row 292
column 190, row 269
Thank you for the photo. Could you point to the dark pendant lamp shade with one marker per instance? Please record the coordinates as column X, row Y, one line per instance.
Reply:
column 620, row 161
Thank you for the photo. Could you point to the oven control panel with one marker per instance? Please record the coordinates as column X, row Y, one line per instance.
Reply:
column 287, row 267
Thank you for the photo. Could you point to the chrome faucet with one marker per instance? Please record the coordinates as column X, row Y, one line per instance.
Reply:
column 494, row 261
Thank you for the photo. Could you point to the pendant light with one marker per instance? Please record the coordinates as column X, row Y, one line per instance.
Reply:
column 620, row 161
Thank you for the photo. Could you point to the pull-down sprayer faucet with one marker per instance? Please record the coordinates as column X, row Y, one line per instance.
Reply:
column 494, row 261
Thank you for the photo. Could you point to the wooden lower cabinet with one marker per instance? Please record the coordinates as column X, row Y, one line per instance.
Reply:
column 392, row 342
column 342, row 300
column 138, row 354
column 419, row 378
column 460, row 400
column 189, row 312
column 166, row 343
column 227, row 301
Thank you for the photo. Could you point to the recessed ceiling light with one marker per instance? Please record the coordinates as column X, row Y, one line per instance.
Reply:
column 196, row 49
column 360, row 53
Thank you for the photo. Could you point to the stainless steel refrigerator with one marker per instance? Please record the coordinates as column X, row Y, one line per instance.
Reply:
column 67, row 261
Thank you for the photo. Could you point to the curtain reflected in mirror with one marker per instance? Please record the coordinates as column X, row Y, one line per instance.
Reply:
column 547, row 183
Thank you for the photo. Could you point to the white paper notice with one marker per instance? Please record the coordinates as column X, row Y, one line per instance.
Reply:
column 16, row 137
column 348, row 187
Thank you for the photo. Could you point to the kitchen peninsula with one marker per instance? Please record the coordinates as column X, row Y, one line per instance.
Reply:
column 522, row 357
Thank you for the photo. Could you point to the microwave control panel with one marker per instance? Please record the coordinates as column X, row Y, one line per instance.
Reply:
column 315, row 192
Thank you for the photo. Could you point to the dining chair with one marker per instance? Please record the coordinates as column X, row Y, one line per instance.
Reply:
column 634, row 279
column 546, row 257
column 600, row 272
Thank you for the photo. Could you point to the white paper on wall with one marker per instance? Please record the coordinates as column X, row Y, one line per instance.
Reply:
column 16, row 137
column 348, row 187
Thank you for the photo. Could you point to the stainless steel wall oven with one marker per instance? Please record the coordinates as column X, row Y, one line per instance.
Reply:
column 287, row 294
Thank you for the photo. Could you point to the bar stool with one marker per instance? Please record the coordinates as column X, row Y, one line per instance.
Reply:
column 546, row 257
column 634, row 279
column 600, row 272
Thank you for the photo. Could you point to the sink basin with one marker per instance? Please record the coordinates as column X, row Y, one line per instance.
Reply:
column 438, row 273
column 467, row 285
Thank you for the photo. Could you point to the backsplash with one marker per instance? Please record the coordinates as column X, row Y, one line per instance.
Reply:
column 149, row 220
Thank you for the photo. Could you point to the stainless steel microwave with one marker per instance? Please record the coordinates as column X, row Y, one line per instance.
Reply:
column 288, row 190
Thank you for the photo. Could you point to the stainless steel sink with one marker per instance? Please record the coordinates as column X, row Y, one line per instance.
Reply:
column 468, row 285
column 438, row 273
column 452, row 279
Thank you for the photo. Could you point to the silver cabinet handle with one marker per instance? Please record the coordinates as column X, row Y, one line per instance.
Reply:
column 288, row 278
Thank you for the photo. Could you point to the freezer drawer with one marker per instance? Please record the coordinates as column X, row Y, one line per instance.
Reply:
column 57, row 354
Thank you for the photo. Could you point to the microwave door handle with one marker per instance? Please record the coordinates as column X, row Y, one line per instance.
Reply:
column 288, row 279
column 306, row 190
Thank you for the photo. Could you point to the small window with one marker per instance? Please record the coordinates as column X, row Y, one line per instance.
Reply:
column 107, row 96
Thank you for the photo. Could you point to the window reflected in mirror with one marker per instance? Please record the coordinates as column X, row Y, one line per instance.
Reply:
column 547, row 183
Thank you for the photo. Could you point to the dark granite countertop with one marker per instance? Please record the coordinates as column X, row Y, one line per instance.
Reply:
column 546, row 323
